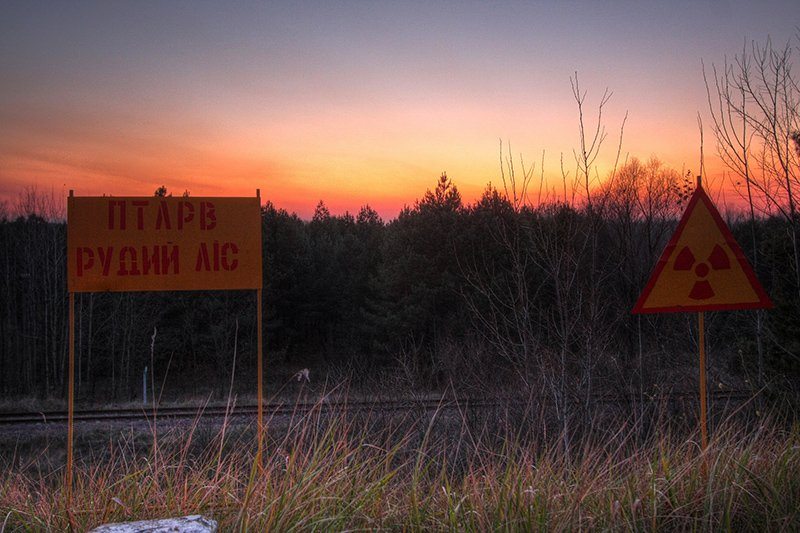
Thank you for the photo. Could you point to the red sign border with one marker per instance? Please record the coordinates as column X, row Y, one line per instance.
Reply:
column 763, row 302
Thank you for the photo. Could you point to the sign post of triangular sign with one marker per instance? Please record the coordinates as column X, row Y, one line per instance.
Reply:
column 702, row 268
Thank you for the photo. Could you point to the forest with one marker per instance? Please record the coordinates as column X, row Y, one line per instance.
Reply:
column 523, row 289
column 489, row 296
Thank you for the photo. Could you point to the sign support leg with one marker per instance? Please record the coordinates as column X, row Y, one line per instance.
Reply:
column 70, row 399
column 260, row 365
column 260, row 379
column 703, row 412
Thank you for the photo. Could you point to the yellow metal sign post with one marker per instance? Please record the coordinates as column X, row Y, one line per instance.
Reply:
column 161, row 244
column 702, row 269
column 701, row 341
column 70, row 398
column 260, row 358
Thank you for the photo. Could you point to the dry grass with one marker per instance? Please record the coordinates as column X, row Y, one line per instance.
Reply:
column 440, row 472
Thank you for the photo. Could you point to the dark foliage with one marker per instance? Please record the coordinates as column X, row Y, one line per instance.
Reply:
column 490, row 296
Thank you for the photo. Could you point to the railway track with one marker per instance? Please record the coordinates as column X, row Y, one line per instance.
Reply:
column 191, row 412
column 301, row 408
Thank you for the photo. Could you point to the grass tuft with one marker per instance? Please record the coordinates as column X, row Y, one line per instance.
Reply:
column 333, row 471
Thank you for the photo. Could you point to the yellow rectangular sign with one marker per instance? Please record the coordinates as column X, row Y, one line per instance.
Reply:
column 163, row 244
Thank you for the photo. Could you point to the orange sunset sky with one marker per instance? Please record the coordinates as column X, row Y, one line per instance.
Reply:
column 352, row 102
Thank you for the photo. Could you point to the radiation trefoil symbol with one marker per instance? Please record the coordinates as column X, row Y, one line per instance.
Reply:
column 717, row 260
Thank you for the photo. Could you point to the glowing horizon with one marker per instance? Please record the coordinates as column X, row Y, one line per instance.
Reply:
column 348, row 103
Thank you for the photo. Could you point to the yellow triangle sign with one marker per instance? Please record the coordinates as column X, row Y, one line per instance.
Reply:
column 702, row 268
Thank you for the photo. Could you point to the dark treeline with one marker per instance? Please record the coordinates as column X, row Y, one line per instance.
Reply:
column 499, row 295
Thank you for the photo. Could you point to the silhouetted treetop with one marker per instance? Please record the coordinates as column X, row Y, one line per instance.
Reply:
column 444, row 196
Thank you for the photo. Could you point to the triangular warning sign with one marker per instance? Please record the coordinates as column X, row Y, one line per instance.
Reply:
column 702, row 268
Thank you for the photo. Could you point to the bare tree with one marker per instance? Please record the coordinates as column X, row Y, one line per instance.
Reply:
column 755, row 110
column 754, row 103
column 542, row 307
column 589, row 146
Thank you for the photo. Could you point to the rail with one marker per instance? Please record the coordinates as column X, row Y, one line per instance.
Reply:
column 326, row 405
